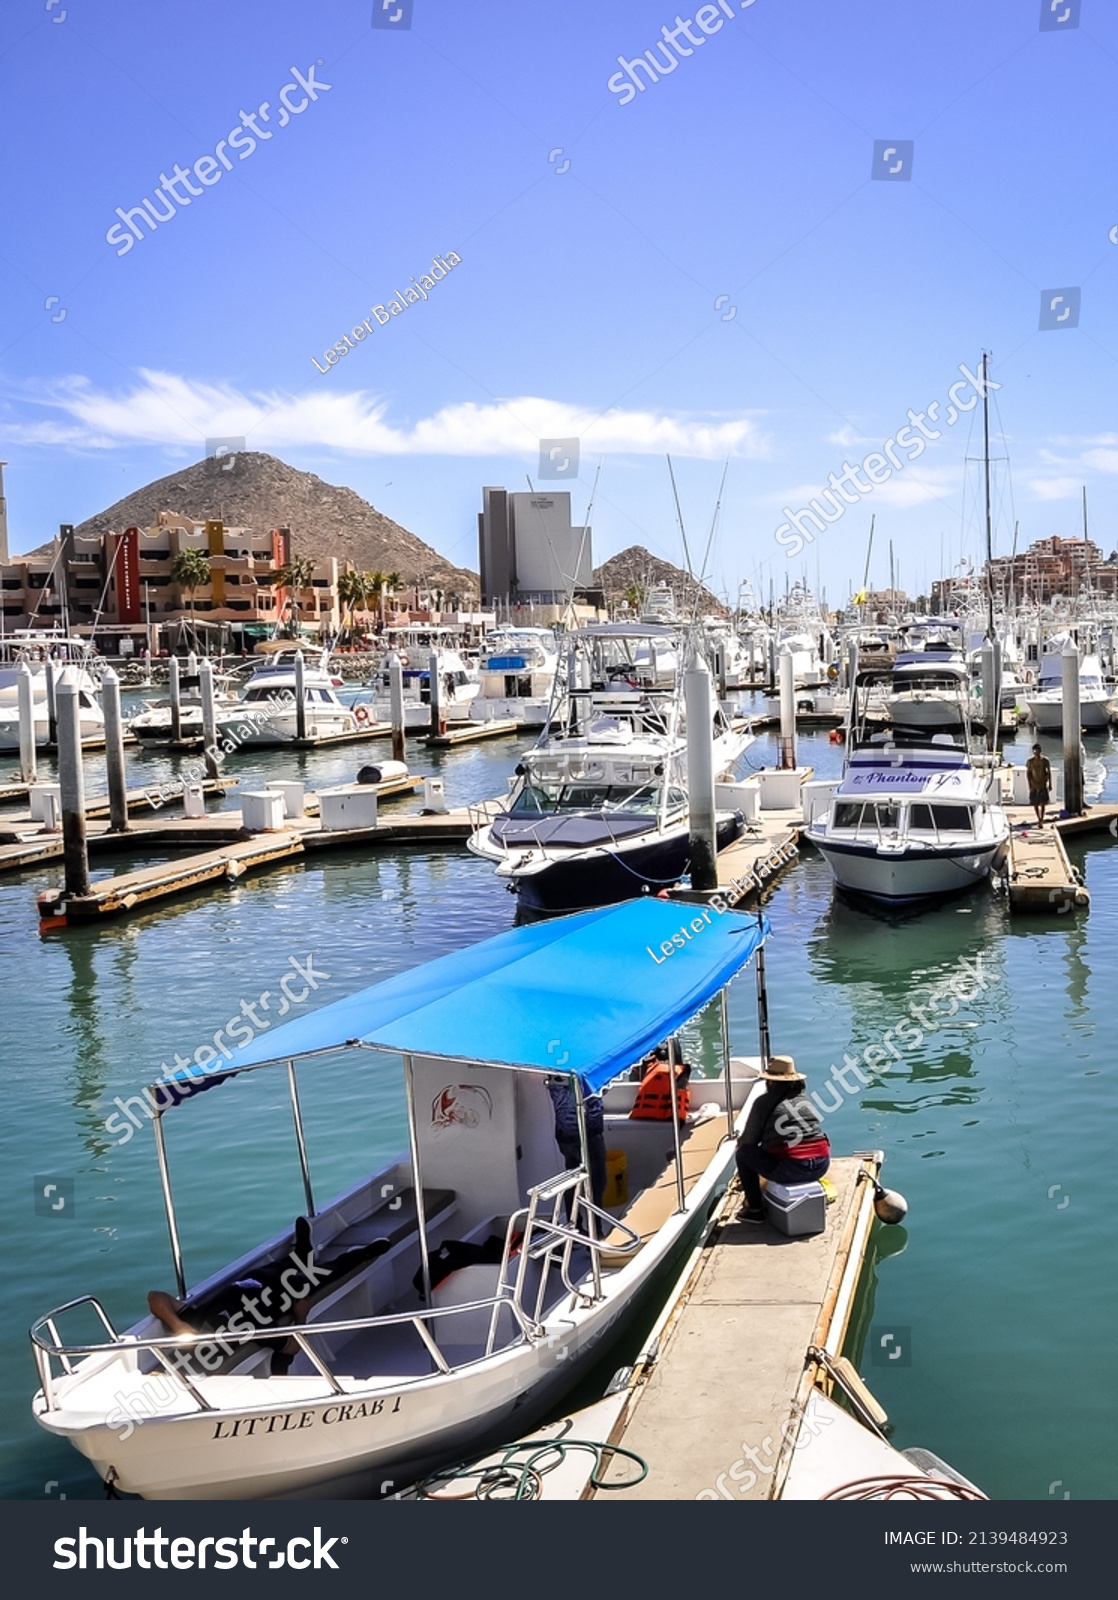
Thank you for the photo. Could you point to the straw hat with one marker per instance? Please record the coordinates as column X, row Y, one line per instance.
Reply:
column 782, row 1069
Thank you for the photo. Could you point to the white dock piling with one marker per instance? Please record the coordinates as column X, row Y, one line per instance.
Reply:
column 1073, row 749
column 787, row 710
column 114, row 753
column 991, row 690
column 700, row 774
column 209, row 719
column 71, row 782
column 175, row 686
column 28, row 770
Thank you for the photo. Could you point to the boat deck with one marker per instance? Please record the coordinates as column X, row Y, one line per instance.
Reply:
column 728, row 1364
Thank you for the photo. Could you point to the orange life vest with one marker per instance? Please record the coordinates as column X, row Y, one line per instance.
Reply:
column 653, row 1102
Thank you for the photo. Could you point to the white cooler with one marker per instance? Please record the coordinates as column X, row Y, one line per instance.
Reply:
column 796, row 1209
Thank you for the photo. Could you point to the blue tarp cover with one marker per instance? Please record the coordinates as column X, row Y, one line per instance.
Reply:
column 590, row 993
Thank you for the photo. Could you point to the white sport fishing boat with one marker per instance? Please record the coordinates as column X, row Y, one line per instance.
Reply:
column 929, row 685
column 1045, row 701
column 913, row 817
column 517, row 671
column 401, row 1363
column 459, row 686
column 598, row 810
column 30, row 650
column 268, row 714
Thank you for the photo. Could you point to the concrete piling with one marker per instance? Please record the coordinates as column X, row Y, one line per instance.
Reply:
column 398, row 715
column 28, row 770
column 175, row 686
column 209, row 718
column 1073, row 748
column 300, row 699
column 700, row 774
column 71, row 781
column 114, row 752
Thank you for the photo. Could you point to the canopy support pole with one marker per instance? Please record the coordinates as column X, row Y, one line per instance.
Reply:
column 680, row 1194
column 169, row 1204
column 584, row 1147
column 300, row 1140
column 763, row 1009
column 417, row 1181
column 727, row 1070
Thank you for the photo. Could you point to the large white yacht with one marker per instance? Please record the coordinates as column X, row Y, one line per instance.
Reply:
column 31, row 649
column 599, row 809
column 517, row 671
column 930, row 682
column 268, row 713
column 1046, row 700
column 913, row 817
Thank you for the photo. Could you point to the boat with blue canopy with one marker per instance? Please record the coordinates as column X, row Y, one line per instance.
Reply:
column 446, row 1301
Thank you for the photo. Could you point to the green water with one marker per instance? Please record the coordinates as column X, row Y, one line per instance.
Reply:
column 996, row 1125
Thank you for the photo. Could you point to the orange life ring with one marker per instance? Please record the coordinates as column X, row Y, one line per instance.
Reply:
column 361, row 713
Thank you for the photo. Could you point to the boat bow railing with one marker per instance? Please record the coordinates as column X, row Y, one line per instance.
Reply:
column 48, row 1347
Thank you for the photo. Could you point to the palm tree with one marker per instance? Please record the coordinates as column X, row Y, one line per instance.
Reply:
column 635, row 596
column 353, row 590
column 190, row 569
column 295, row 575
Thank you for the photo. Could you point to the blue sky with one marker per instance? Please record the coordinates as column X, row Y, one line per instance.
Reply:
column 598, row 235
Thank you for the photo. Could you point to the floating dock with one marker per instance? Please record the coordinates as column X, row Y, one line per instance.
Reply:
column 229, row 856
column 1038, row 873
column 471, row 732
column 730, row 1361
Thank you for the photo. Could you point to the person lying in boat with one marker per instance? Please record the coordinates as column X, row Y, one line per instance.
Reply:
column 783, row 1138
column 278, row 1293
column 567, row 1137
column 653, row 1102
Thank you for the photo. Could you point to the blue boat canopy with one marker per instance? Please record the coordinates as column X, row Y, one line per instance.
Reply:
column 590, row 994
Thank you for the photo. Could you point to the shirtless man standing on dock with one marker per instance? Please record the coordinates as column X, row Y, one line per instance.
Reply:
column 1038, row 768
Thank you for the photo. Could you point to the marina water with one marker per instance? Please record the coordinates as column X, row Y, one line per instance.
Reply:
column 984, row 1326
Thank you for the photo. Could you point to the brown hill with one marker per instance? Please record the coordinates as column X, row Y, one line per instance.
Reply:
column 636, row 568
column 260, row 491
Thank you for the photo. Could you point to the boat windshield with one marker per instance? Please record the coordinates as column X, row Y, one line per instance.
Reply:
column 940, row 818
column 868, row 814
column 542, row 798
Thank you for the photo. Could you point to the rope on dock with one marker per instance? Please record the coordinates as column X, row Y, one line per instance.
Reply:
column 511, row 1478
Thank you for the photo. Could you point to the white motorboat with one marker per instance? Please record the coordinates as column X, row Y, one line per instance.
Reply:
column 928, row 690
column 598, row 810
column 268, row 713
column 911, row 821
column 517, row 676
column 91, row 719
column 402, row 1363
column 154, row 724
column 1045, row 702
column 459, row 685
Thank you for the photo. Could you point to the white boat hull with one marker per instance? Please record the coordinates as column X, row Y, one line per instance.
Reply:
column 320, row 724
column 297, row 1439
column 1047, row 716
column 908, row 875
column 926, row 711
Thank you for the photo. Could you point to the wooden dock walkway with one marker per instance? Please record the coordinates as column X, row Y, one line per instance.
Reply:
column 728, row 1364
column 471, row 732
column 1039, row 875
column 229, row 854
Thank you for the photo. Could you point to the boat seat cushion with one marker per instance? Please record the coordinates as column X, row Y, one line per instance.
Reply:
column 654, row 1205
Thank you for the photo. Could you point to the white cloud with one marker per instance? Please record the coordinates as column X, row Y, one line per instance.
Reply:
column 168, row 409
column 1055, row 488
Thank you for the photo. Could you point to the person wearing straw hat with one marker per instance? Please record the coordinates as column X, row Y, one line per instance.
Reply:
column 783, row 1138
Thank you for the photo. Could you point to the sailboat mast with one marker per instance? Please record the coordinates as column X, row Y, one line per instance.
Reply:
column 986, row 479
